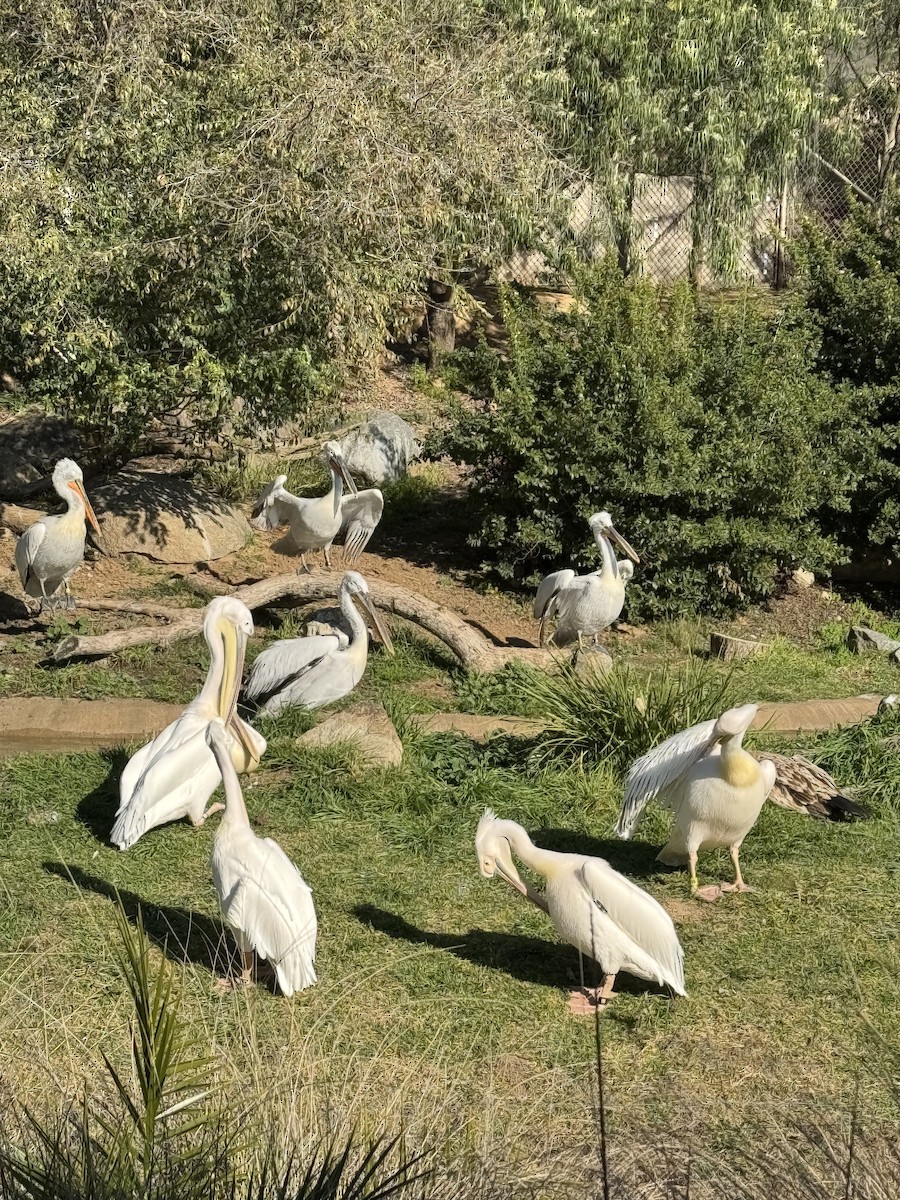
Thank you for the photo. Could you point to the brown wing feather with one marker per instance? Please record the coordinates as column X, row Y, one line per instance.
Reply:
column 801, row 786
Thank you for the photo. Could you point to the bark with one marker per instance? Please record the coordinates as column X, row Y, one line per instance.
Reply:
column 441, row 322
column 472, row 648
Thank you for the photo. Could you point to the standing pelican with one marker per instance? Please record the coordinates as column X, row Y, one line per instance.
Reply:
column 264, row 899
column 312, row 671
column 713, row 785
column 51, row 550
column 316, row 522
column 175, row 774
column 600, row 912
column 586, row 604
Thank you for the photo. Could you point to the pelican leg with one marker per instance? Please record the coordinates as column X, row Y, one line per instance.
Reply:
column 213, row 808
column 69, row 602
column 738, row 885
column 326, row 550
column 542, row 639
column 580, row 640
column 247, row 967
column 710, row 893
column 304, row 567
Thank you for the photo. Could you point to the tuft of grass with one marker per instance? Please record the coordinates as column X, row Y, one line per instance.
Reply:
column 618, row 716
column 868, row 754
column 241, row 480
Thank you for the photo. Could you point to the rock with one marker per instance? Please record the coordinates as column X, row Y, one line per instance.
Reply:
column 728, row 648
column 861, row 640
column 592, row 661
column 475, row 727
column 46, row 725
column 30, row 444
column 381, row 449
column 327, row 621
column 166, row 518
column 802, row 579
column 367, row 725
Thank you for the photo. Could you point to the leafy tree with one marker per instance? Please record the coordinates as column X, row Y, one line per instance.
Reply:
column 729, row 94
column 699, row 426
column 211, row 211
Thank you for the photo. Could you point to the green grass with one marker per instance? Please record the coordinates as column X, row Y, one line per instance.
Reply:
column 441, row 1001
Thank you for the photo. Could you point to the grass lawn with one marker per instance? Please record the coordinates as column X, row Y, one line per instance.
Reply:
column 441, row 1005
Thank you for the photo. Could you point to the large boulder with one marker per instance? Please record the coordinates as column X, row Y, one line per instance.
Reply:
column 31, row 443
column 166, row 518
column 381, row 449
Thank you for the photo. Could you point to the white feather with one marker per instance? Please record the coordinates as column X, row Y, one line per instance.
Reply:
column 360, row 514
column 658, row 772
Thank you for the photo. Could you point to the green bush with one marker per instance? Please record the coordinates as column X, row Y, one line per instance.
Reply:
column 850, row 282
column 699, row 425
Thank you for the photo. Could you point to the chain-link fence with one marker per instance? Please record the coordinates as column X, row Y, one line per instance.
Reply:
column 663, row 236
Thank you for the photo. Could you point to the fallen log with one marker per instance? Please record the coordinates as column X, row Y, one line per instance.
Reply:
column 472, row 648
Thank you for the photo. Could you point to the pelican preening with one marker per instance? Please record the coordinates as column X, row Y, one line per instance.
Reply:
column 584, row 605
column 51, row 550
column 715, row 788
column 175, row 774
column 312, row 671
column 600, row 912
column 316, row 522
column 265, row 901
column 803, row 787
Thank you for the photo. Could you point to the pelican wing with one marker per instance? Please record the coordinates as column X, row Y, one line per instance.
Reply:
column 658, row 772
column 641, row 918
column 360, row 514
column 273, row 507
column 27, row 547
column 287, row 661
column 273, row 908
column 549, row 590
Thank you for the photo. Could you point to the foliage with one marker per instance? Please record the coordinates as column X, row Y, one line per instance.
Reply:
column 867, row 754
column 698, row 425
column 210, row 211
column 618, row 716
column 850, row 281
column 725, row 93
column 160, row 1141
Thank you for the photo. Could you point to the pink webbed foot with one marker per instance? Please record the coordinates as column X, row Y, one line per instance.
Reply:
column 736, row 887
column 710, row 893
column 585, row 1001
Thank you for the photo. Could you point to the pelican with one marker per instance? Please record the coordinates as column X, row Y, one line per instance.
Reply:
column 586, row 604
column 51, row 550
column 600, row 912
column 265, row 900
column 175, row 774
column 803, row 787
column 311, row 671
column 715, row 788
column 315, row 523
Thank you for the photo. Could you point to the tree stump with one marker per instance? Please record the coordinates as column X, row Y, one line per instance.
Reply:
column 722, row 645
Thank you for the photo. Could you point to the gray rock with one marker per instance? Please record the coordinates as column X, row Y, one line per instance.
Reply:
column 367, row 726
column 381, row 449
column 592, row 661
column 802, row 579
column 326, row 621
column 31, row 443
column 168, row 519
column 861, row 640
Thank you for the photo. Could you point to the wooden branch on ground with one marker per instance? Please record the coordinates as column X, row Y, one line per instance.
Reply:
column 472, row 648
column 140, row 608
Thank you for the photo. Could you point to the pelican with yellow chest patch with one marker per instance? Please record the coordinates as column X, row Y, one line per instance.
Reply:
column 175, row 774
column 714, row 786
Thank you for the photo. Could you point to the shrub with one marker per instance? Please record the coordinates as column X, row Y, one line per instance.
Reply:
column 698, row 424
column 850, row 281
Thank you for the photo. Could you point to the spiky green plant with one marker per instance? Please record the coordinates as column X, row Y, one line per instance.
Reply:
column 618, row 716
column 866, row 756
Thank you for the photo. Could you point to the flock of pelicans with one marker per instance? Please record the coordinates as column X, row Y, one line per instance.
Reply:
column 713, row 786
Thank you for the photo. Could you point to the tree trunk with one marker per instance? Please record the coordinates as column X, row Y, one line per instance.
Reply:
column 780, row 267
column 441, row 320
column 470, row 646
column 625, row 231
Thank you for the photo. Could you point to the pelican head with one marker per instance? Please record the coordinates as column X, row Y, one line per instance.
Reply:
column 354, row 586
column 602, row 526
column 494, row 854
column 334, row 460
column 228, row 624
column 734, row 722
column 67, row 477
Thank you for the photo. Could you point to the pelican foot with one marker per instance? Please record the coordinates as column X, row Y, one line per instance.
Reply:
column 710, row 893
column 737, row 887
column 585, row 1001
column 223, row 984
column 69, row 602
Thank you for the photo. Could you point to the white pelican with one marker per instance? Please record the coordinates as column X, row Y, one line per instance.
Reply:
column 51, row 550
column 316, row 522
column 175, row 774
column 586, row 604
column 264, row 899
column 311, row 671
column 712, row 784
column 600, row 912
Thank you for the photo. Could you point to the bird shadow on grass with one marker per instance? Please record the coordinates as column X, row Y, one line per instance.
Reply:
column 634, row 859
column 97, row 810
column 182, row 934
